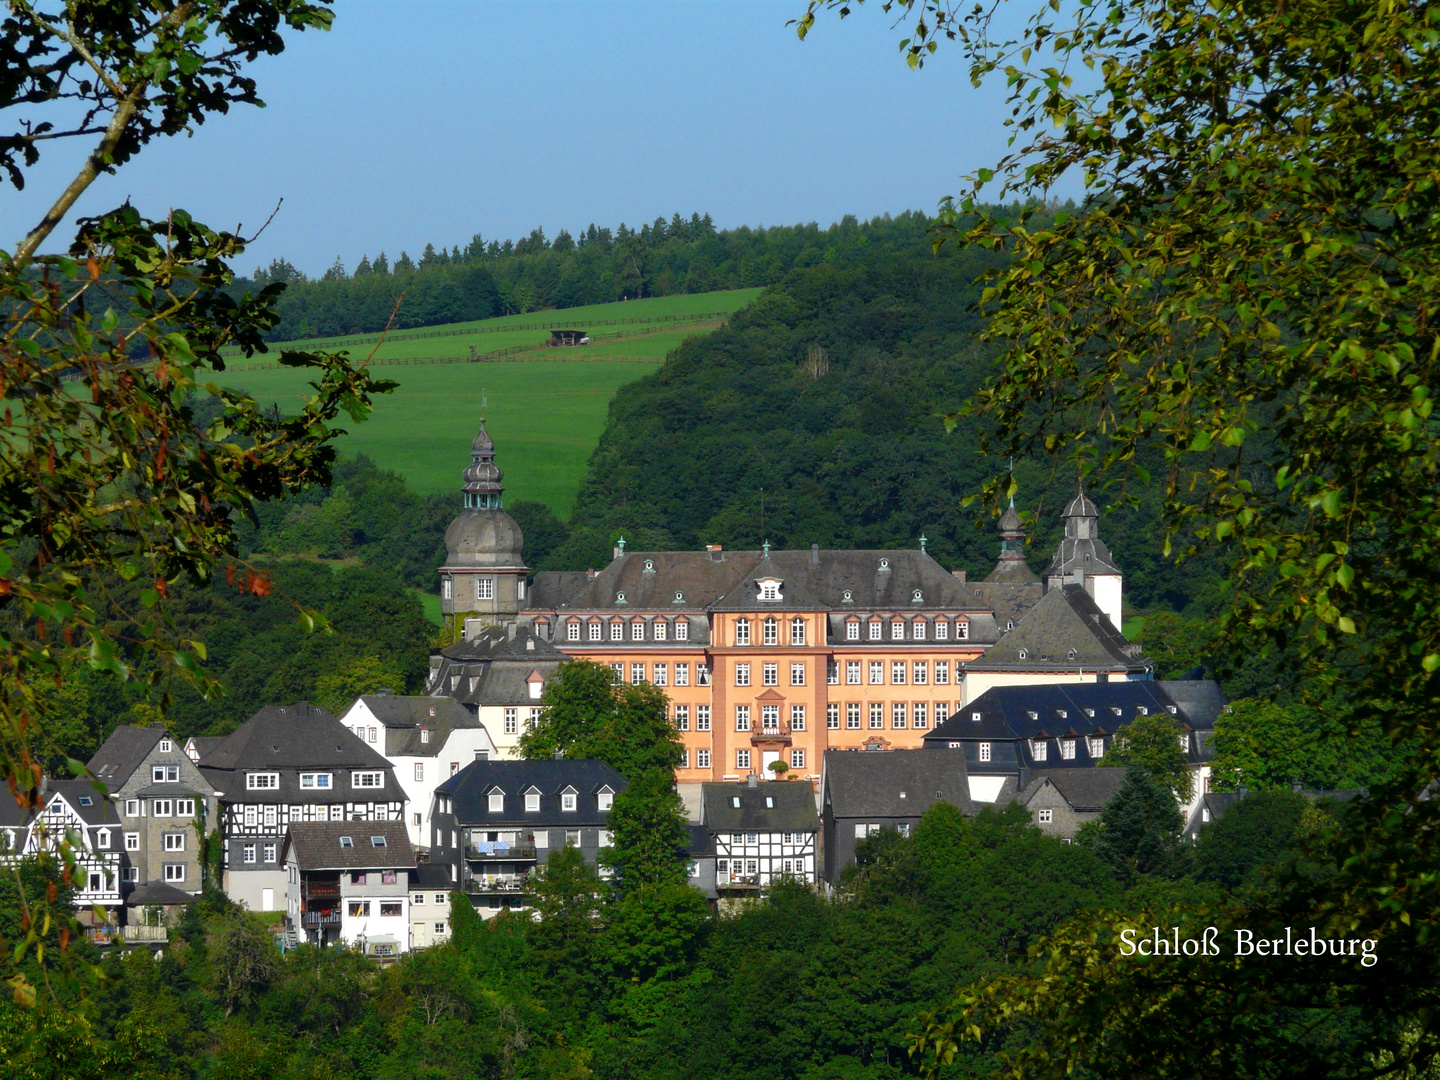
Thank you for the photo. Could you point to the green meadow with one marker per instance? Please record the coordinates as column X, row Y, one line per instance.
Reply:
column 545, row 414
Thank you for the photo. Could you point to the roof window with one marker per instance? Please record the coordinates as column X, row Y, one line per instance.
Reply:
column 377, row 841
column 735, row 801
column 86, row 800
column 347, row 841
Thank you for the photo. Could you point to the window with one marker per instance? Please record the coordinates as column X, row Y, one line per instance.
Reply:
column 374, row 734
column 984, row 751
column 682, row 630
column 832, row 716
column 367, row 779
column 877, row 715
column 742, row 717
column 174, row 872
column 942, row 672
column 595, row 630
column 1039, row 749
column 852, row 631
column 897, row 672
column 359, row 909
column 1067, row 749
column 165, row 774
column 252, row 817
column 921, row 715
column 132, row 841
column 897, row 714
column 512, row 721
column 264, row 781
column 184, row 807
column 130, row 873
column 702, row 717
column 852, row 672
column 417, row 819
column 347, row 841
column 702, row 759
column 742, row 674
column 852, row 716
column 174, row 841
column 572, row 837
column 797, row 674
column 637, row 630
column 832, row 672
column 572, row 631
column 484, row 588
column 247, row 854
column 742, row 759
column 377, row 841
column 272, row 816
column 702, row 674
column 439, row 928
column 918, row 629
column 166, row 808
column 1045, row 817
column 962, row 629
column 742, row 631
column 445, row 587
column 496, row 801
column 877, row 672
column 770, row 717
column 660, row 631
column 797, row 631
column 617, row 631
column 132, row 807
column 1184, row 744
column 440, row 898
column 569, row 801
column 770, row 590
column 314, row 780
column 532, row 802
column 797, row 717
column 920, row 673
column 876, row 630
column 1097, row 747
column 682, row 717
column 424, row 735
column 897, row 630
column 637, row 673
column 942, row 630
column 269, row 853
column 770, row 674
column 772, row 632
column 419, row 771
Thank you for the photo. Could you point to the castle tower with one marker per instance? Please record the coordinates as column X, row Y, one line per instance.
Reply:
column 484, row 572
column 1083, row 559
column 1011, row 567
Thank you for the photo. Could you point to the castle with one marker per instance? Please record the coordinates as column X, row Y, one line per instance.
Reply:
column 769, row 658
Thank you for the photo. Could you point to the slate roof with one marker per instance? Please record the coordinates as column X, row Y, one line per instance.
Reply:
column 1085, row 708
column 699, row 841
column 1010, row 601
column 769, row 806
column 868, row 783
column 469, row 791
column 158, row 892
column 403, row 717
column 1066, row 620
column 121, row 754
column 493, row 668
column 287, row 739
column 433, row 875
column 317, row 845
column 1200, row 700
column 551, row 589
column 1086, row 790
column 203, row 744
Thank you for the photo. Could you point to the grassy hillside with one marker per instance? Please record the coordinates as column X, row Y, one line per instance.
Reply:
column 546, row 413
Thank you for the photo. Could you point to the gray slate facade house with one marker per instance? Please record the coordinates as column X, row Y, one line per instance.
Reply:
column 864, row 791
column 761, row 832
column 430, row 888
column 285, row 765
column 70, row 807
column 350, row 881
column 164, row 802
column 498, row 673
column 1062, row 800
column 700, row 851
column 495, row 822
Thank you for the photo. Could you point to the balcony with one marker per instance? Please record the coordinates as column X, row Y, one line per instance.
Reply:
column 500, row 851
column 311, row 919
column 739, row 881
column 327, row 890
column 774, row 735
column 497, row 883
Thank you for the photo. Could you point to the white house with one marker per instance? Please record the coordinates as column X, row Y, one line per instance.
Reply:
column 350, row 882
column 73, row 811
column 426, row 739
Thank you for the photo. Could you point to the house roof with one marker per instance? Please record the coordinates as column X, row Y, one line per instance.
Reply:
column 321, row 845
column 203, row 744
column 1064, row 630
column 100, row 811
column 1200, row 700
column 769, row 806
column 469, row 791
column 1005, row 712
column 121, row 754
column 493, row 667
column 699, row 841
column 298, row 736
column 1086, row 790
column 158, row 892
column 403, row 718
column 893, row 783
column 433, row 875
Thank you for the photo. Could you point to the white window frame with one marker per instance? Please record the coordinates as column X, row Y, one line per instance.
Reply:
column 852, row 631
column 247, row 854
column 832, row 716
column 660, row 630
column 174, row 841
column 682, row 629
column 1045, row 817
column 797, row 674
column 569, row 801
column 742, row 717
column 174, row 873
column 742, row 674
column 132, row 841
column 604, row 799
column 702, row 717
column 877, row 672
column 877, row 716
column 368, row 780
column 572, row 630
column 797, row 758
column 512, row 721
column 942, row 630
column 484, row 588
column 596, row 631
column 742, row 759
column 617, row 630
column 317, row 781
column 797, row 631
column 1039, row 749
column 984, row 752
column 702, row 759
column 495, row 802
column 262, row 781
column 771, row 628
column 877, row 630
column 742, row 631
column 852, row 716
column 797, row 717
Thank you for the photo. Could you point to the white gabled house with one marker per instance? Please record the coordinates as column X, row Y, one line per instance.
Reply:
column 71, row 811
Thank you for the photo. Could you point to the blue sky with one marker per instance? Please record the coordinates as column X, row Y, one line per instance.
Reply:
column 416, row 122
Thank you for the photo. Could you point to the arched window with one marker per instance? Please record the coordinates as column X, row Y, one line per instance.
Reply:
column 742, row 631
column 797, row 631
column 772, row 632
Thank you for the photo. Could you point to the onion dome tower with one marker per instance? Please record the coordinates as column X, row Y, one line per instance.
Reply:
column 1083, row 559
column 1011, row 568
column 484, row 572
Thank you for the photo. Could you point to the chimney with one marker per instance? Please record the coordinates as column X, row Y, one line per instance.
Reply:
column 959, row 574
column 752, row 781
column 590, row 575
column 530, row 644
column 510, row 631
column 715, row 552
column 815, row 555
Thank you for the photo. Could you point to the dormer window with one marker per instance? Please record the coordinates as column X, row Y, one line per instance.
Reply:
column 1071, row 654
column 532, row 801
column 897, row 630
column 620, row 598
column 1142, row 710
column 1038, row 749
column 660, row 630
column 637, row 630
column 496, row 801
column 424, row 735
column 852, row 631
column 917, row 596
column 682, row 630
column 1067, row 749
column 918, row 630
column 617, row 631
column 975, row 716
column 166, row 746
column 1024, row 654
column 876, row 629
column 569, row 800
column 847, row 597
column 884, row 564
column 605, row 798
column 942, row 630
column 649, row 566
column 347, row 841
column 679, row 597
column 769, row 589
